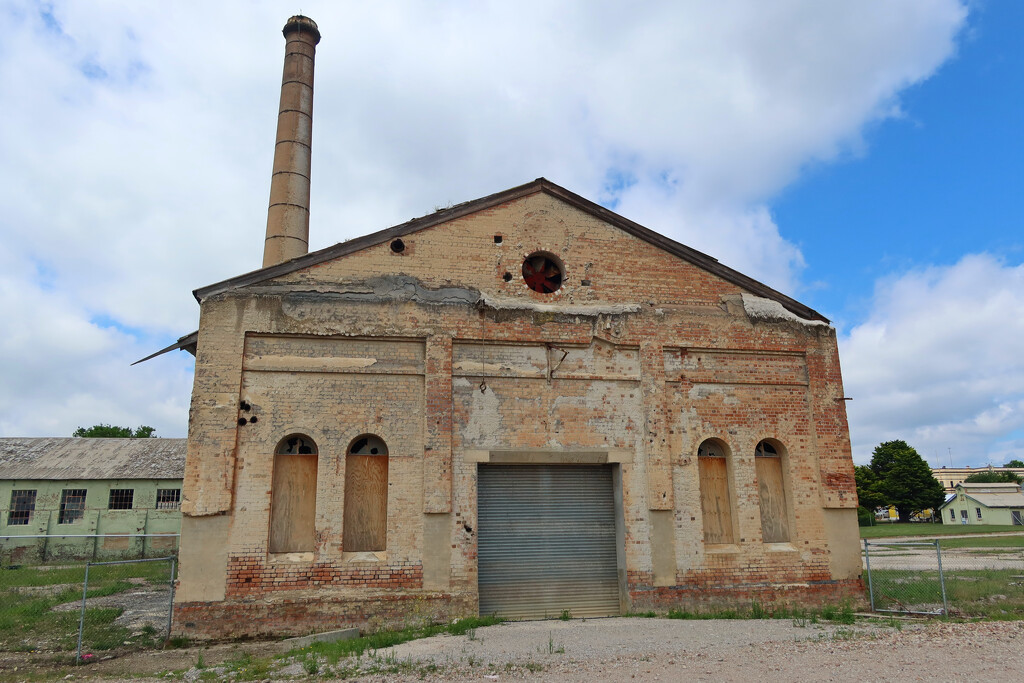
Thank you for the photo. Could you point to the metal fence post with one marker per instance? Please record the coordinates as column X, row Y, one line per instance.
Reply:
column 867, row 562
column 81, row 616
column 170, row 606
column 942, row 579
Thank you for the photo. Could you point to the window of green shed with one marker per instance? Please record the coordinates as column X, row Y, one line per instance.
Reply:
column 121, row 499
column 23, row 504
column 168, row 499
column 72, row 506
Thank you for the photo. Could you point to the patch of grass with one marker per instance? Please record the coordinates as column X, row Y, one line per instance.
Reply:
column 246, row 667
column 678, row 613
column 984, row 542
column 843, row 614
column 333, row 652
column 986, row 593
column 552, row 648
column 566, row 615
column 927, row 529
column 27, row 619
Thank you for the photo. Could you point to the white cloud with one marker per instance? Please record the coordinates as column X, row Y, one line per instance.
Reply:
column 938, row 363
column 138, row 137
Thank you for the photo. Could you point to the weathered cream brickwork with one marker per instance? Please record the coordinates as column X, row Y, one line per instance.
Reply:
column 437, row 346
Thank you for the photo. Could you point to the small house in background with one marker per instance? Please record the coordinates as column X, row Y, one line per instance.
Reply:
column 75, row 498
column 984, row 504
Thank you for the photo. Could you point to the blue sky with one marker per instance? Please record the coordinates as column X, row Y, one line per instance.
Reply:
column 862, row 157
column 940, row 181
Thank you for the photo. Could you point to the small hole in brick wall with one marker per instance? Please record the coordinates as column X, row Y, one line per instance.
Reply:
column 244, row 405
column 253, row 419
column 398, row 246
column 242, row 421
column 507, row 277
column 497, row 239
column 585, row 283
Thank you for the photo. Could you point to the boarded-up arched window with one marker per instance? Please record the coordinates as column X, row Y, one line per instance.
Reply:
column 772, row 493
column 293, row 496
column 715, row 502
column 366, row 495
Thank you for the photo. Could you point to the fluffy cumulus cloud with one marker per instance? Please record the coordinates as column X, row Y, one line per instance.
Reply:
column 138, row 138
column 938, row 363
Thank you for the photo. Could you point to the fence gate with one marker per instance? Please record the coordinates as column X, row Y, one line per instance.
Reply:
column 905, row 577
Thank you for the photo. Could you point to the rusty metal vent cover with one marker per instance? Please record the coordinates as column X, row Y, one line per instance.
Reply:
column 546, row 536
column 542, row 272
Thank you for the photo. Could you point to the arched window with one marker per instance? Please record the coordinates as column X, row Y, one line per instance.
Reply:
column 293, row 496
column 366, row 495
column 715, row 502
column 771, row 489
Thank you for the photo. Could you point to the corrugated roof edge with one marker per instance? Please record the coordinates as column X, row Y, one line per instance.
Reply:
column 188, row 342
column 684, row 252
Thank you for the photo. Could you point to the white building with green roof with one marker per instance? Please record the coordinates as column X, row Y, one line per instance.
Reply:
column 1000, row 504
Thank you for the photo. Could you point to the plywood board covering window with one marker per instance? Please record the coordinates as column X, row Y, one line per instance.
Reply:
column 293, row 498
column 366, row 495
column 715, row 502
column 772, row 493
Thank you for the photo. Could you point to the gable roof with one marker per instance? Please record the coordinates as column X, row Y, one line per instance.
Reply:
column 996, row 495
column 697, row 258
column 84, row 458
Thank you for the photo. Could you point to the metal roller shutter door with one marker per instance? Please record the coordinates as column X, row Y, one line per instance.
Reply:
column 546, row 541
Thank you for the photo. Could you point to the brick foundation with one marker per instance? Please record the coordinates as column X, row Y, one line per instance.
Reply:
column 697, row 598
column 296, row 614
column 248, row 576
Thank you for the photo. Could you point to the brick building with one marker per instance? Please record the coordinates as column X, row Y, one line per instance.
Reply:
column 523, row 404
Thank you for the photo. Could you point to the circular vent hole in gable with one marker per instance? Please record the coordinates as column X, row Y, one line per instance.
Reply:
column 542, row 272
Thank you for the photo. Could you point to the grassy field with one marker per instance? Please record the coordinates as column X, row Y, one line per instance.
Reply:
column 925, row 529
column 1011, row 542
column 28, row 595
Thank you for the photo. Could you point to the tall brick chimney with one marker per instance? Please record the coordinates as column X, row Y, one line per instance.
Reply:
column 288, row 215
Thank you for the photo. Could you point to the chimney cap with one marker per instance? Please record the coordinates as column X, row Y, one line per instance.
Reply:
column 302, row 24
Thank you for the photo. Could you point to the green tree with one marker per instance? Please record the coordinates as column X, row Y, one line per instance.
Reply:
column 904, row 479
column 1015, row 463
column 867, row 488
column 992, row 478
column 112, row 432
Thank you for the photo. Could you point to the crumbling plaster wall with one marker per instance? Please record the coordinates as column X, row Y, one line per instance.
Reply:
column 639, row 355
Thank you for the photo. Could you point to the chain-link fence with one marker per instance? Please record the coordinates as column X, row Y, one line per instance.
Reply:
column 102, row 540
column 981, row 576
column 88, row 610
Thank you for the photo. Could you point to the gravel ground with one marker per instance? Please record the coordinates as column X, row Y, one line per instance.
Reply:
column 671, row 650
column 635, row 649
